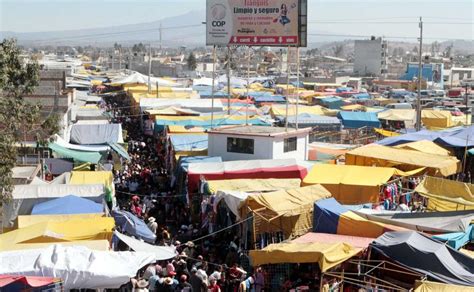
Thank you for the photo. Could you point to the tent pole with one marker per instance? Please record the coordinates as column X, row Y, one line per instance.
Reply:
column 287, row 85
column 248, row 86
column 298, row 84
column 213, row 83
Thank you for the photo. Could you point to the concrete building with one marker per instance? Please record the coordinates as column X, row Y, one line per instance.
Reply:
column 54, row 97
column 370, row 57
column 258, row 142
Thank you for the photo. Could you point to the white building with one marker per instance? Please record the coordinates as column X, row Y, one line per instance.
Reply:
column 258, row 142
column 370, row 57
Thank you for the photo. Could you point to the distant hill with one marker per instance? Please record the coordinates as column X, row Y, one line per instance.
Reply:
column 186, row 29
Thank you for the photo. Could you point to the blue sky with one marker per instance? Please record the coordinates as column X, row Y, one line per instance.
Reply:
column 391, row 17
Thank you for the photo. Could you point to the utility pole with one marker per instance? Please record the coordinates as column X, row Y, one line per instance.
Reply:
column 229, row 52
column 420, row 78
column 149, row 70
column 120, row 59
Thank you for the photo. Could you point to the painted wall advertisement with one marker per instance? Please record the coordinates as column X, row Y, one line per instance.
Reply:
column 252, row 22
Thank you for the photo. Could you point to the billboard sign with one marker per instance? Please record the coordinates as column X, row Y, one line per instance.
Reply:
column 256, row 22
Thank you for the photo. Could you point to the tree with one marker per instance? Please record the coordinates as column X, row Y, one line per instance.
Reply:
column 17, row 116
column 338, row 50
column 192, row 63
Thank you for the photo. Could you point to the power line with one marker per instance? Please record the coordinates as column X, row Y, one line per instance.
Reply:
column 118, row 33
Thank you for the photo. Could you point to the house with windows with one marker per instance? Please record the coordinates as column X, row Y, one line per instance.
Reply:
column 246, row 142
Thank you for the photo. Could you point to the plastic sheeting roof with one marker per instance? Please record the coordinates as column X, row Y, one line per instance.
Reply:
column 189, row 142
column 78, row 267
column 161, row 252
column 428, row 256
column 96, row 134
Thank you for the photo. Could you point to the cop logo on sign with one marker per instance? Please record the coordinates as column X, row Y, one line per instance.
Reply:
column 218, row 13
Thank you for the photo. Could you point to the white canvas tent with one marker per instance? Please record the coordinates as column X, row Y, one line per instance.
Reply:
column 160, row 252
column 24, row 197
column 138, row 78
column 78, row 267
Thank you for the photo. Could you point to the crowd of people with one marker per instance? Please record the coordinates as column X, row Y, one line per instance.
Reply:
column 205, row 262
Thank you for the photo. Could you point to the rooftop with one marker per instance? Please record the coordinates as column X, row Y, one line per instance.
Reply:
column 249, row 130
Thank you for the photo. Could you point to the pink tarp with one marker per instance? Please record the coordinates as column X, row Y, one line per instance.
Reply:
column 355, row 241
column 28, row 280
column 277, row 168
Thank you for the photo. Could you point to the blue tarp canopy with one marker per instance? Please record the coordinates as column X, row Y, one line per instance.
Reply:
column 326, row 215
column 455, row 137
column 354, row 120
column 67, row 205
column 361, row 96
column 189, row 142
column 132, row 225
column 81, row 156
column 343, row 89
column 208, row 94
column 183, row 164
column 269, row 98
column 332, row 102
column 207, row 123
column 461, row 138
column 457, row 240
column 427, row 256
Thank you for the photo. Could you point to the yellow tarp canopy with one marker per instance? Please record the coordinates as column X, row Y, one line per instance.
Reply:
column 280, row 110
column 27, row 220
column 289, row 211
column 327, row 255
column 386, row 133
column 425, row 146
column 52, row 231
column 178, row 154
column 353, row 107
column 397, row 115
column 446, row 195
column 253, row 185
column 91, row 177
column 101, row 245
column 406, row 160
column 352, row 224
column 199, row 118
column 172, row 129
column 172, row 111
column 437, row 119
column 427, row 286
column 351, row 184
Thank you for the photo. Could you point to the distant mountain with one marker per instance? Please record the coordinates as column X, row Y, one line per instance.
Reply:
column 186, row 29
column 178, row 30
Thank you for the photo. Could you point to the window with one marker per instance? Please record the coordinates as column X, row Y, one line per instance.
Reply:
column 240, row 145
column 289, row 144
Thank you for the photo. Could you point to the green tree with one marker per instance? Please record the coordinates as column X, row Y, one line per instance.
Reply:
column 192, row 63
column 17, row 116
